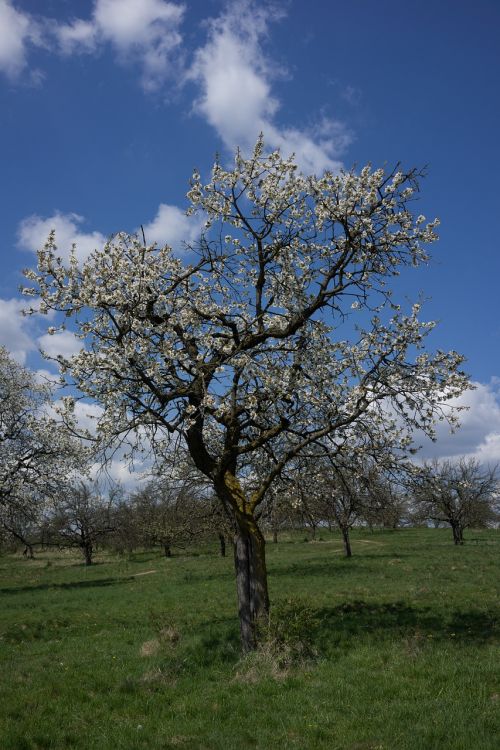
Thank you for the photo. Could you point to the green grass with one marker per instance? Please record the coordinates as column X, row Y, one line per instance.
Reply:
column 405, row 635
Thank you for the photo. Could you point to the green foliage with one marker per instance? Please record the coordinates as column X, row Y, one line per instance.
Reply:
column 405, row 634
column 291, row 627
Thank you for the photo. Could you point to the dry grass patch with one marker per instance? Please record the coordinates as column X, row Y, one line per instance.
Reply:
column 169, row 634
column 150, row 648
column 156, row 677
column 268, row 663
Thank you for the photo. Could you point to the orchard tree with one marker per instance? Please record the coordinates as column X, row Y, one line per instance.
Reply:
column 345, row 483
column 342, row 496
column 83, row 517
column 37, row 453
column 386, row 499
column 241, row 346
column 167, row 514
column 461, row 494
column 19, row 526
column 280, row 509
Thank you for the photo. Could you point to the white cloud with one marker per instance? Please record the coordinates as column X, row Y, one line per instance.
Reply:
column 17, row 31
column 77, row 36
column 488, row 452
column 146, row 32
column 47, row 377
column 14, row 31
column 62, row 343
column 34, row 230
column 233, row 74
column 479, row 433
column 13, row 329
column 121, row 472
column 172, row 227
column 236, row 98
column 87, row 415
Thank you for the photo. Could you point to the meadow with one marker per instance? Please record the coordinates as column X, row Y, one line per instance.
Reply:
column 141, row 652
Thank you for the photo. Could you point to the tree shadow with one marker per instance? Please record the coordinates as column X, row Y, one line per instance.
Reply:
column 337, row 565
column 356, row 619
column 67, row 586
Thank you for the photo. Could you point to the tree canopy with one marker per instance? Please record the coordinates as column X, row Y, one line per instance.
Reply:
column 276, row 329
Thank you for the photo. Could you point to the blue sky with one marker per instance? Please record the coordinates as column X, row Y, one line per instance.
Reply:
column 107, row 105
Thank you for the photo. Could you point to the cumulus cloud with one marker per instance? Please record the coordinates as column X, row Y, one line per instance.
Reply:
column 18, row 31
column 231, row 71
column 61, row 343
column 145, row 32
column 77, row 36
column 172, row 227
column 34, row 230
column 121, row 472
column 479, row 433
column 235, row 76
column 87, row 415
column 47, row 377
column 14, row 333
column 169, row 226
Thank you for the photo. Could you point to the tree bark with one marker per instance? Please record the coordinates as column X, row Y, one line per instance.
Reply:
column 347, row 541
column 251, row 579
column 222, row 544
column 275, row 536
column 458, row 533
column 167, row 550
column 87, row 551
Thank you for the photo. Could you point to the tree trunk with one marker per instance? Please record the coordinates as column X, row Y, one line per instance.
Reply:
column 275, row 536
column 251, row 579
column 87, row 551
column 167, row 550
column 222, row 544
column 28, row 551
column 458, row 533
column 313, row 531
column 346, row 540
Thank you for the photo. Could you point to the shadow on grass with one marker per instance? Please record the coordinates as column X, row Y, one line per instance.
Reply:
column 337, row 566
column 338, row 630
column 378, row 621
column 66, row 586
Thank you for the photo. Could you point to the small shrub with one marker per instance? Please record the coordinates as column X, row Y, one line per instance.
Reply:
column 290, row 627
column 285, row 642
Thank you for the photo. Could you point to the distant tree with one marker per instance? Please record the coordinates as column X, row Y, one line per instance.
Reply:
column 354, row 482
column 238, row 348
column 126, row 534
column 215, row 522
column 21, row 526
column 461, row 494
column 82, row 518
column 37, row 453
column 386, row 503
column 343, row 497
column 168, row 514
column 280, row 510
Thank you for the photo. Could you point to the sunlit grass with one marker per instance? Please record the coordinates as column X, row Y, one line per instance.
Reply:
column 404, row 634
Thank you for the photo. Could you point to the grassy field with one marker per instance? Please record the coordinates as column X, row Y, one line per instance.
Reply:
column 142, row 652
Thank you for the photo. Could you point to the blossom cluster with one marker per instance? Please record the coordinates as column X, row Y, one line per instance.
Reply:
column 241, row 347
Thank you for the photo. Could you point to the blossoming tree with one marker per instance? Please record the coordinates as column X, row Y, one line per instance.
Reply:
column 37, row 454
column 237, row 345
column 462, row 494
